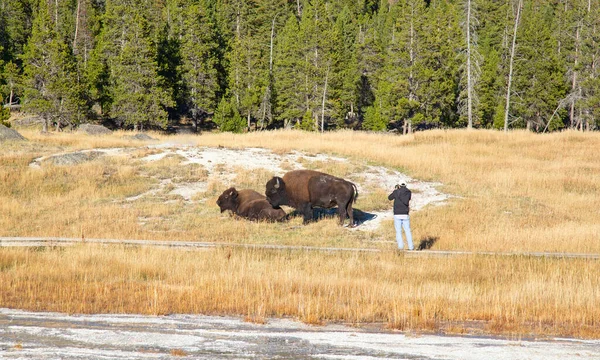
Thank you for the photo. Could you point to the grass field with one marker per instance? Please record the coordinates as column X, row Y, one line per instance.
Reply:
column 514, row 192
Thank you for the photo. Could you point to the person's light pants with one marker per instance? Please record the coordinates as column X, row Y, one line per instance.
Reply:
column 403, row 222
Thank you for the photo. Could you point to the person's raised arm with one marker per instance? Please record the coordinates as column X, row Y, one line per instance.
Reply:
column 391, row 196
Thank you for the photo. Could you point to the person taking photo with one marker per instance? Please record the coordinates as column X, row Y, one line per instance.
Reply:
column 401, row 196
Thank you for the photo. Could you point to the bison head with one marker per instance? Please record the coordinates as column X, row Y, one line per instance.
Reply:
column 275, row 192
column 228, row 200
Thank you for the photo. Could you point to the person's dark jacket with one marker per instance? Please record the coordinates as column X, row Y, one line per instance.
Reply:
column 401, row 197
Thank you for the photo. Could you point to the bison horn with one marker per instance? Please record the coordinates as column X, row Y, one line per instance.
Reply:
column 276, row 183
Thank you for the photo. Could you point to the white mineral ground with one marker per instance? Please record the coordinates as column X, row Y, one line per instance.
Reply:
column 28, row 335
column 221, row 164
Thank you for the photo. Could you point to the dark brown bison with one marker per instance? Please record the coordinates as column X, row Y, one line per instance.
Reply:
column 249, row 204
column 305, row 189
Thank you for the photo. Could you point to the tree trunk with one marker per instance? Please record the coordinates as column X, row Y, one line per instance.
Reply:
column 268, row 111
column 10, row 98
column 76, row 27
column 237, row 72
column 323, row 103
column 469, row 84
column 195, row 119
column 412, row 54
column 45, row 124
column 510, row 71
column 574, row 82
column 56, row 14
column 411, row 82
column 271, row 46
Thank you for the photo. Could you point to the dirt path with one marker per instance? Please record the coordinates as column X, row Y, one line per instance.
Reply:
column 29, row 335
column 196, row 245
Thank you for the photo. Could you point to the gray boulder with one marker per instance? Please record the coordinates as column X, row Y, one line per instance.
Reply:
column 9, row 134
column 93, row 129
column 142, row 137
column 73, row 158
column 30, row 120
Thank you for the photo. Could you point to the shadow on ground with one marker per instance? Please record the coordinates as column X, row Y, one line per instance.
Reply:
column 427, row 242
column 360, row 217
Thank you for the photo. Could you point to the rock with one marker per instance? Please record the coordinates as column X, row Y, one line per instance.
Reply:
column 9, row 134
column 30, row 120
column 93, row 129
column 142, row 137
column 73, row 158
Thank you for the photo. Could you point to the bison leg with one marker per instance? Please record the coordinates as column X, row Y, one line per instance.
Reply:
column 307, row 212
column 350, row 213
column 342, row 214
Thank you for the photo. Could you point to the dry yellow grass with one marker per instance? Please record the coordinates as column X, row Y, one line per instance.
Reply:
column 516, row 192
column 520, row 191
column 510, row 295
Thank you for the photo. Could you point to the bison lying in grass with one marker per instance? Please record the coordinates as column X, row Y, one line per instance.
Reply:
column 250, row 205
column 305, row 189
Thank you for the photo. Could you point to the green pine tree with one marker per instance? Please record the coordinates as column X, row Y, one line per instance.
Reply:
column 584, row 107
column 125, row 70
column 198, row 62
column 227, row 116
column 11, row 90
column 539, row 80
column 317, row 57
column 493, row 45
column 345, row 82
column 287, row 77
column 308, row 122
column 4, row 111
column 139, row 100
column 396, row 86
column 370, row 60
column 589, row 103
column 437, row 66
column 51, row 86
column 16, row 19
column 374, row 121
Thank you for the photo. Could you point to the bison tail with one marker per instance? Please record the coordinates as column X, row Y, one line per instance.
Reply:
column 355, row 193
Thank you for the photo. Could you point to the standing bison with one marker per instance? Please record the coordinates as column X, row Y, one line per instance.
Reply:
column 305, row 189
column 249, row 204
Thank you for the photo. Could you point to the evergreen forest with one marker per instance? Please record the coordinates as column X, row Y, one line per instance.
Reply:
column 248, row 65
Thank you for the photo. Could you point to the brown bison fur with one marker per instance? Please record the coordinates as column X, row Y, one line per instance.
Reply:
column 249, row 204
column 306, row 189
